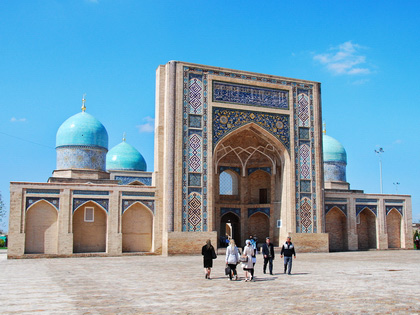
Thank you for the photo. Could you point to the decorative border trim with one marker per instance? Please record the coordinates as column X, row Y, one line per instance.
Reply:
column 55, row 202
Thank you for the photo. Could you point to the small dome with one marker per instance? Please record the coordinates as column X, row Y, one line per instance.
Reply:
column 82, row 129
column 333, row 150
column 125, row 157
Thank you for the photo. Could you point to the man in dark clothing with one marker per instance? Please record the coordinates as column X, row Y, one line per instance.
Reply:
column 288, row 250
column 268, row 253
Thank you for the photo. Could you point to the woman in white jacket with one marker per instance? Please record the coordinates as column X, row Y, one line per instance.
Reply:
column 249, row 265
column 232, row 259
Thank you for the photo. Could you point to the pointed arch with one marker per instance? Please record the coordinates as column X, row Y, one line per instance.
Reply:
column 366, row 229
column 41, row 228
column 137, row 228
column 394, row 221
column 336, row 227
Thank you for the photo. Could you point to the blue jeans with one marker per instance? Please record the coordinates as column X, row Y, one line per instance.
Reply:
column 288, row 261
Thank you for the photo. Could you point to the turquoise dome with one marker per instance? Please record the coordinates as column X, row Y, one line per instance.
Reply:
column 333, row 150
column 125, row 157
column 82, row 129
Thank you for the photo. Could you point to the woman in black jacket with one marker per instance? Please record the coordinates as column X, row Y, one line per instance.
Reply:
column 208, row 255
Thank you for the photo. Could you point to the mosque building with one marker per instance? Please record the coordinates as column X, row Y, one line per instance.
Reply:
column 236, row 154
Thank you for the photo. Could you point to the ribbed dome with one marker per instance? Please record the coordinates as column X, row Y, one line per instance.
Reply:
column 333, row 150
column 82, row 129
column 125, row 157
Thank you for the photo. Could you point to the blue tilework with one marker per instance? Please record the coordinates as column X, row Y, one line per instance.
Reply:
column 341, row 207
column 334, row 171
column 77, row 202
column 43, row 191
column 235, row 169
column 138, row 194
column 251, row 211
column 125, row 180
column 195, row 121
column 227, row 120
column 360, row 208
column 236, row 211
column 90, row 192
column 398, row 208
column 366, row 200
column 250, row 95
column 305, row 186
column 55, row 202
column 253, row 169
column 148, row 203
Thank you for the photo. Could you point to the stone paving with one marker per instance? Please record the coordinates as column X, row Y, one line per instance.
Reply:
column 372, row 282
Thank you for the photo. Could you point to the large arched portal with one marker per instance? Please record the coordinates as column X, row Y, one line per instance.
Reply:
column 41, row 229
column 366, row 230
column 250, row 167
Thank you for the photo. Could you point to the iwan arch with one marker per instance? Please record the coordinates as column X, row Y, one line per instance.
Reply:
column 236, row 153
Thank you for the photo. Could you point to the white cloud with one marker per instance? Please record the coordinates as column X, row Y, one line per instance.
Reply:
column 344, row 59
column 147, row 127
column 14, row 119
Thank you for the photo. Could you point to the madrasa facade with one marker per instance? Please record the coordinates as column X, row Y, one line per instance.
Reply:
column 236, row 154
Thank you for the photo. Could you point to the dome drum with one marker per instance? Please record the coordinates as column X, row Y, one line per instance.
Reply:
column 81, row 157
column 334, row 171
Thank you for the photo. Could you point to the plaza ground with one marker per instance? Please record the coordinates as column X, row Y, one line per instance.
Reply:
column 370, row 282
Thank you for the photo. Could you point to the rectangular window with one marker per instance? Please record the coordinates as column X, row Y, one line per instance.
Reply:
column 89, row 214
column 263, row 195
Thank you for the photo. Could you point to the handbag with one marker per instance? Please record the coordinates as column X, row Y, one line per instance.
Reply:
column 227, row 270
column 243, row 259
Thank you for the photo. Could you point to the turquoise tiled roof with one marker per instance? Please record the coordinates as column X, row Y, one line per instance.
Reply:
column 82, row 129
column 333, row 150
column 125, row 157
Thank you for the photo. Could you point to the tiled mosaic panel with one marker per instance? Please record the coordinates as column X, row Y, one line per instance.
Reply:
column 303, row 110
column 194, row 161
column 334, row 171
column 305, row 215
column 195, row 153
column 303, row 133
column 90, row 192
column 194, row 212
column 227, row 120
column 125, row 180
column 250, row 95
column 251, row 211
column 77, row 202
column 148, row 203
column 398, row 208
column 195, row 94
column 305, row 186
column 341, row 207
column 81, row 157
column 360, row 208
column 305, row 161
column 254, row 169
column 55, row 202
column 236, row 211
column 43, row 191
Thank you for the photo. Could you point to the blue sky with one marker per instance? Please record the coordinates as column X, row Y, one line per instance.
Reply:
column 365, row 54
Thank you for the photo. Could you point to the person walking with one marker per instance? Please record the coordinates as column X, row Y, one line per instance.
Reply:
column 268, row 254
column 288, row 250
column 208, row 255
column 232, row 259
column 248, row 266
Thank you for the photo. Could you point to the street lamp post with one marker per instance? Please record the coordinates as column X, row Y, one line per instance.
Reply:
column 379, row 152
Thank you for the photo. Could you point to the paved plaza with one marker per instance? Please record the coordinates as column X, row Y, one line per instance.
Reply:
column 369, row 282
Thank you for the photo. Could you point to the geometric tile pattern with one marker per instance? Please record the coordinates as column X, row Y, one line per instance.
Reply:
column 306, row 215
column 138, row 193
column 303, row 111
column 305, row 186
column 55, row 202
column 83, row 157
column 103, row 203
column 227, row 120
column 194, row 148
column 90, row 192
column 43, row 191
column 250, row 95
column 148, row 203
column 251, row 211
column 194, row 212
column 194, row 163
column 305, row 161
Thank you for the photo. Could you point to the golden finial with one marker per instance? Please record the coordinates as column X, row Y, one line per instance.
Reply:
column 83, row 102
column 124, row 137
column 324, row 128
